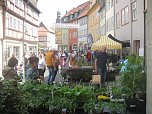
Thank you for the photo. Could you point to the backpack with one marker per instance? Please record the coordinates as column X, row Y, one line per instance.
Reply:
column 49, row 59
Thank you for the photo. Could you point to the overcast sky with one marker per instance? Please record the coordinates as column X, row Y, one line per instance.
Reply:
column 49, row 9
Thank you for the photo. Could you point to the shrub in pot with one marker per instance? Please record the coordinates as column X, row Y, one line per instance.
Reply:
column 133, row 79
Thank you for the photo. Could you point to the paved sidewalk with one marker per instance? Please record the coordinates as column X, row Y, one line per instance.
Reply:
column 58, row 77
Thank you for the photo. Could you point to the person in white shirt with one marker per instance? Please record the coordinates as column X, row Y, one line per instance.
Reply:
column 41, row 65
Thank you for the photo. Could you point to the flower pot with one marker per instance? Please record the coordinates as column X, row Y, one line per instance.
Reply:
column 64, row 111
column 80, row 111
column 131, row 104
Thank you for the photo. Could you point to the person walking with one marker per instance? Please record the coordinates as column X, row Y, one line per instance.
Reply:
column 41, row 66
column 102, row 63
column 72, row 60
column 89, row 57
column 50, row 61
column 56, row 65
column 62, row 59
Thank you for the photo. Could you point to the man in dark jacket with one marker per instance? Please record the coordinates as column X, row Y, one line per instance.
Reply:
column 102, row 63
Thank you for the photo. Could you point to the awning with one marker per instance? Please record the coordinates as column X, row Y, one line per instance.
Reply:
column 124, row 44
column 107, row 42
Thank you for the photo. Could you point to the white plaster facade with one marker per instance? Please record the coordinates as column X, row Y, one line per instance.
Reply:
column 132, row 30
column 21, row 29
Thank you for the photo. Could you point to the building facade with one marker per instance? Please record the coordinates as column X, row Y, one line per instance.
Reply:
column 21, row 28
column 46, row 37
column 129, row 24
column 83, row 29
column 67, row 38
column 106, row 17
column 93, row 22
column 1, row 35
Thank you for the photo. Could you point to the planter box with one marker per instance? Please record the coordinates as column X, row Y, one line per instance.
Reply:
column 80, row 74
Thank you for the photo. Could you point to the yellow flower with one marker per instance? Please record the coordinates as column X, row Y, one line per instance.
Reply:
column 101, row 97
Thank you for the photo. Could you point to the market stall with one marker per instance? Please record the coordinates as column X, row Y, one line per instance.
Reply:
column 108, row 42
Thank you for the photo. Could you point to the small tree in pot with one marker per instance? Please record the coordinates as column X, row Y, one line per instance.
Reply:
column 133, row 79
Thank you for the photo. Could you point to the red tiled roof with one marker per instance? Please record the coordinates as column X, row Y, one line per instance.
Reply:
column 85, row 11
column 80, row 7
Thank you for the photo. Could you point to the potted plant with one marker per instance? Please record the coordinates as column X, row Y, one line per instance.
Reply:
column 133, row 80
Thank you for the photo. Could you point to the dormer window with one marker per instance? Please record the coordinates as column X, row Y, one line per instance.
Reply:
column 65, row 19
column 71, row 17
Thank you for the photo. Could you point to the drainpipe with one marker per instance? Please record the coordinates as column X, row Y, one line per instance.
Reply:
column 145, row 10
column 114, row 18
column 131, row 40
column 23, row 41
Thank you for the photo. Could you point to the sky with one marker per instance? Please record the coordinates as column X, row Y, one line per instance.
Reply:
column 49, row 9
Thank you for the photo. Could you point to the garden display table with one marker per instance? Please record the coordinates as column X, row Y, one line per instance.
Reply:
column 78, row 74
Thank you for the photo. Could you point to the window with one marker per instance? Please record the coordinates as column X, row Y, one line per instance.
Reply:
column 16, row 2
column 74, row 47
column 71, row 17
column 10, row 22
column 110, row 24
column 134, row 11
column 14, row 24
column 16, row 51
column 74, row 34
column 117, row 20
column 125, row 16
column 102, row 14
column 18, row 25
column 85, row 32
column 136, row 46
column 109, row 4
column 85, row 20
column 20, row 3
column 102, row 30
column 117, row 1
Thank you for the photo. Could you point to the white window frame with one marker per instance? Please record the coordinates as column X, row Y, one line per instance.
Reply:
column 117, row 20
column 14, row 23
column 134, row 11
column 10, row 22
column 125, row 16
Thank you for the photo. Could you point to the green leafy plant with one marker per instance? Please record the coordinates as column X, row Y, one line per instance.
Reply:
column 133, row 78
column 11, row 98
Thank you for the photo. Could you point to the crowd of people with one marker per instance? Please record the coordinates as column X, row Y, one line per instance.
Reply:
column 35, row 66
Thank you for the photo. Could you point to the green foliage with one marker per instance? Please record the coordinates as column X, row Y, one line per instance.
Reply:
column 93, row 105
column 20, row 99
column 77, row 74
column 11, row 98
column 134, row 78
column 114, row 107
column 113, row 58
